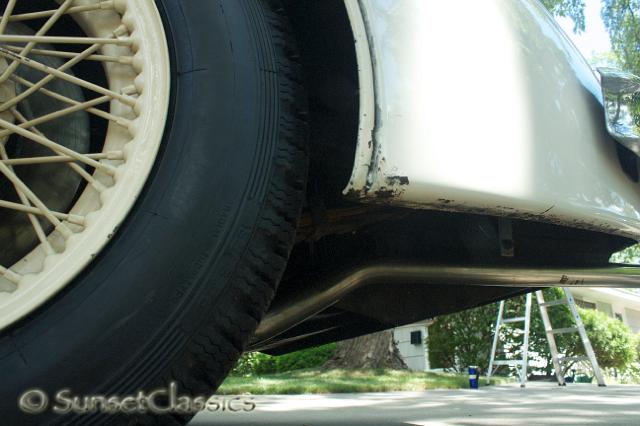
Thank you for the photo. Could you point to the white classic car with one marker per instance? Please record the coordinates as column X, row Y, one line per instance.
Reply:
column 182, row 180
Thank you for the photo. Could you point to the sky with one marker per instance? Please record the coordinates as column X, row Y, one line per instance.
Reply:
column 595, row 38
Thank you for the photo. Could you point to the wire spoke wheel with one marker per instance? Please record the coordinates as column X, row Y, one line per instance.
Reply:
column 153, row 164
column 84, row 93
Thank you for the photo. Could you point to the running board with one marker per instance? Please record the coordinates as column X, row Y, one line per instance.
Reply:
column 296, row 309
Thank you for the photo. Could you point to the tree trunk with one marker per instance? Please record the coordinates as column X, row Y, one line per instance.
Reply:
column 372, row 351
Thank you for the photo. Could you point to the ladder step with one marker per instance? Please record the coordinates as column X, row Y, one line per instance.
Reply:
column 562, row 301
column 563, row 330
column 573, row 358
column 508, row 362
column 512, row 320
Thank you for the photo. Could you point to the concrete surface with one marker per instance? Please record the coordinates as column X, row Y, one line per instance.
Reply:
column 538, row 404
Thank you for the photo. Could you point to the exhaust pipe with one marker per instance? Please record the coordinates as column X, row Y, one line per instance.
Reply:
column 291, row 312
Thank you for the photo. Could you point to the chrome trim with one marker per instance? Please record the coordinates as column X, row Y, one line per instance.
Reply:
column 292, row 312
column 621, row 92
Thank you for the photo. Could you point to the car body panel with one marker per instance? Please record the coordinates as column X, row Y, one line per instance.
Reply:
column 491, row 111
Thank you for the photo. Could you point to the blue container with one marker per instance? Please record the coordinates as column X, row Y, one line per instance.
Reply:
column 473, row 377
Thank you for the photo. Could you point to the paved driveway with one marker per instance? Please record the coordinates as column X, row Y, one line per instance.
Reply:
column 538, row 404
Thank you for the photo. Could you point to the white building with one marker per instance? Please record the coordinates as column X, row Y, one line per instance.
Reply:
column 412, row 344
column 617, row 303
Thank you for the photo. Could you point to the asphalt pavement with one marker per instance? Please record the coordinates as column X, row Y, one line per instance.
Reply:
column 538, row 404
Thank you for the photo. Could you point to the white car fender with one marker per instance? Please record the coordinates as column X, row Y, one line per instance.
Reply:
column 484, row 107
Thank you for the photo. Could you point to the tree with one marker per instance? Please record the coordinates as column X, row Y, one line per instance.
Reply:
column 573, row 9
column 621, row 19
column 373, row 351
column 459, row 340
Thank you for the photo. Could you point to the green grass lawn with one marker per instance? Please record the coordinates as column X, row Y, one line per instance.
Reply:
column 344, row 381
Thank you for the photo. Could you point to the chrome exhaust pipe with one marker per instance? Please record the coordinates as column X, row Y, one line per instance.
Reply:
column 295, row 310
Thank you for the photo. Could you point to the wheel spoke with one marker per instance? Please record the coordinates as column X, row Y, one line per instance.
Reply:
column 33, row 198
column 31, row 44
column 71, row 179
column 71, row 218
column 56, row 147
column 32, row 218
column 103, row 5
column 56, row 114
column 15, row 38
column 98, row 112
column 127, row 100
column 126, row 60
column 10, row 275
column 48, row 78
column 7, row 15
column 75, row 167
column 53, row 159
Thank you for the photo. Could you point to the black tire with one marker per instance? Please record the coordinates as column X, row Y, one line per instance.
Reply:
column 186, row 279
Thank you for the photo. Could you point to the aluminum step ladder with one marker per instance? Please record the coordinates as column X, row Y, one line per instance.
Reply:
column 521, row 365
column 558, row 360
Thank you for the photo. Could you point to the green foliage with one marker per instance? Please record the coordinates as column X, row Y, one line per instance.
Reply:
column 462, row 339
column 459, row 340
column 613, row 342
column 256, row 363
column 573, row 9
column 627, row 376
column 605, row 60
column 630, row 255
column 622, row 20
column 249, row 363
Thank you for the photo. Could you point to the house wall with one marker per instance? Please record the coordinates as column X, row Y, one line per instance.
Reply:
column 613, row 302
